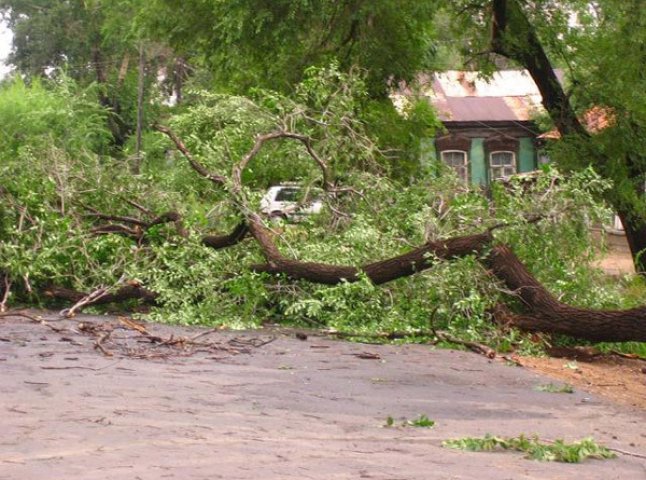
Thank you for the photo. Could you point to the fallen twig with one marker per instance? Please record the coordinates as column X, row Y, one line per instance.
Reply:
column 473, row 346
column 206, row 332
column 85, row 301
column 624, row 452
column 38, row 320
column 98, row 344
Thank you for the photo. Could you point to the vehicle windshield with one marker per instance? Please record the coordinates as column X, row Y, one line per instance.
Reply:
column 288, row 195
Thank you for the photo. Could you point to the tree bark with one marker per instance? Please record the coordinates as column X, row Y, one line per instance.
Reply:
column 382, row 271
column 546, row 314
column 515, row 38
column 222, row 241
column 129, row 292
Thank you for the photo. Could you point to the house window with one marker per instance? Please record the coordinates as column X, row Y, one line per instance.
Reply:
column 501, row 164
column 457, row 159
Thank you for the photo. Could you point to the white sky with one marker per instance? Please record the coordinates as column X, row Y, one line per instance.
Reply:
column 5, row 47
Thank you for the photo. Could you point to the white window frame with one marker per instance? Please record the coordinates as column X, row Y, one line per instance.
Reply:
column 466, row 163
column 498, row 167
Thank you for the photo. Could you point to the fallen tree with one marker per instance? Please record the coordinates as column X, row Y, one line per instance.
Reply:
column 164, row 260
column 544, row 313
column 540, row 310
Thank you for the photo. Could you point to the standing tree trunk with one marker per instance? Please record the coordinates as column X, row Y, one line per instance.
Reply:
column 514, row 37
column 136, row 168
column 179, row 78
column 636, row 237
column 116, row 124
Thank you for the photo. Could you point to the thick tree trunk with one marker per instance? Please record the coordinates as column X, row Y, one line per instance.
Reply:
column 383, row 271
column 546, row 314
column 129, row 292
column 515, row 38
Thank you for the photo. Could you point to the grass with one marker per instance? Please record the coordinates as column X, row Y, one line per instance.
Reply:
column 630, row 348
column 534, row 448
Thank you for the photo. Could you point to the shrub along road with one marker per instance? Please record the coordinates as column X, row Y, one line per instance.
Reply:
column 107, row 398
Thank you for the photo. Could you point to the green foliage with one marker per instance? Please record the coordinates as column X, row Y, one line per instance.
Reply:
column 616, row 151
column 557, row 451
column 250, row 43
column 51, row 34
column 53, row 175
column 57, row 114
column 421, row 422
column 47, row 145
column 553, row 388
column 558, row 249
column 402, row 133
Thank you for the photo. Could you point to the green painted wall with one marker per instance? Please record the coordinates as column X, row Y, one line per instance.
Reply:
column 526, row 155
column 478, row 162
column 428, row 154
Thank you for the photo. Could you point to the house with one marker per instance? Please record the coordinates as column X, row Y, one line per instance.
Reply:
column 490, row 128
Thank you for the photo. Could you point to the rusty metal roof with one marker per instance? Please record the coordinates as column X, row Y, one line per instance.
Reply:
column 508, row 95
column 593, row 120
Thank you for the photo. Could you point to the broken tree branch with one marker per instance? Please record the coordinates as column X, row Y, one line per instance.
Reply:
column 382, row 271
column 473, row 346
column 139, row 227
column 89, row 299
column 198, row 167
column 222, row 241
column 123, row 294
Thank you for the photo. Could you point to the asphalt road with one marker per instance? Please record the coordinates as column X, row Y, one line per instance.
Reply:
column 94, row 399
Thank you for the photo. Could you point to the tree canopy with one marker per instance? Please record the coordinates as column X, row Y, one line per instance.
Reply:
column 270, row 43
